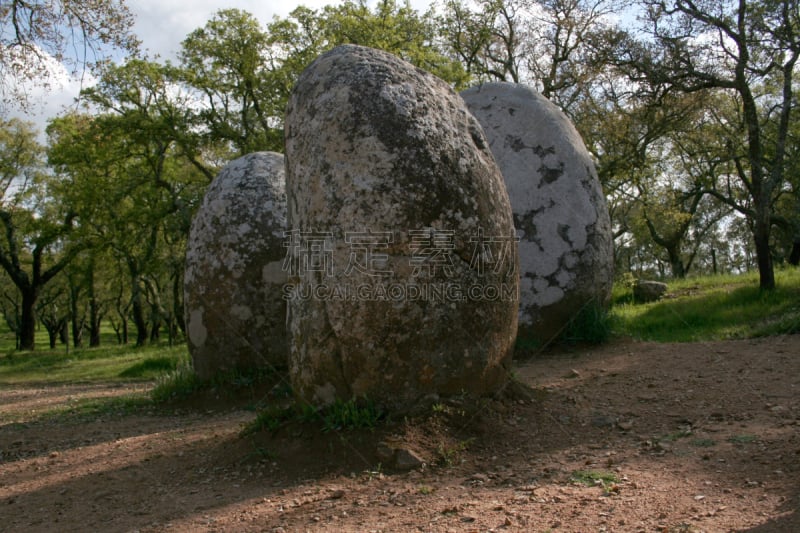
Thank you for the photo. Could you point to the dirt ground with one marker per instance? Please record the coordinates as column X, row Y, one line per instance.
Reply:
column 686, row 438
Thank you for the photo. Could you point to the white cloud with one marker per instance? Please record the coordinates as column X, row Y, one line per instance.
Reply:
column 48, row 96
column 161, row 25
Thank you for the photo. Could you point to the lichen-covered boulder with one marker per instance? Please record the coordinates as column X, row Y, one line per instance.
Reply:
column 566, row 256
column 645, row 291
column 233, row 299
column 404, row 270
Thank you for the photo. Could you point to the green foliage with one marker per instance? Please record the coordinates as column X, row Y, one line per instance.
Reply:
column 592, row 325
column 178, row 384
column 394, row 27
column 449, row 454
column 714, row 308
column 150, row 367
column 351, row 414
column 527, row 346
column 270, row 419
column 425, row 490
column 105, row 363
column 340, row 415
column 742, row 439
column 590, row 478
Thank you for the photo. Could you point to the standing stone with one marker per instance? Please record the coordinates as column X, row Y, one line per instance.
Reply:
column 394, row 199
column 566, row 255
column 645, row 291
column 235, row 311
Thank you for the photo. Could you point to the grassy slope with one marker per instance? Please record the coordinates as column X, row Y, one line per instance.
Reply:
column 712, row 308
column 108, row 363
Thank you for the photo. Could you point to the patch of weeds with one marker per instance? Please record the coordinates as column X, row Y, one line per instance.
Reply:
column 270, row 419
column 262, row 454
column 350, row 414
column 307, row 413
column 592, row 478
column 373, row 473
column 425, row 490
column 680, row 434
column 441, row 408
column 742, row 439
column 450, row 454
column 150, row 367
column 592, row 324
column 177, row 384
column 703, row 443
column 526, row 347
column 341, row 415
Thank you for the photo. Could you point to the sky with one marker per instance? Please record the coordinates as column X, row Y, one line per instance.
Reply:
column 161, row 26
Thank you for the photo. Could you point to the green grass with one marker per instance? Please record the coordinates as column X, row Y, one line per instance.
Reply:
column 591, row 325
column 339, row 416
column 590, row 478
column 712, row 308
column 105, row 363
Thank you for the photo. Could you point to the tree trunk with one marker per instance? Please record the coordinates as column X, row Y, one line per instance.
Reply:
column 676, row 263
column 94, row 322
column 766, row 272
column 27, row 323
column 63, row 333
column 794, row 257
column 177, row 302
column 77, row 332
column 52, row 335
column 138, row 317
column 94, row 307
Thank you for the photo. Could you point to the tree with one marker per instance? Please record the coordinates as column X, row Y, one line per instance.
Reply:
column 128, row 172
column 744, row 48
column 394, row 27
column 488, row 41
column 566, row 52
column 34, row 34
column 228, row 63
column 35, row 247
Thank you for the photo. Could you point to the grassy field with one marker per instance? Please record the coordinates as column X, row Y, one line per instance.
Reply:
column 694, row 309
column 711, row 308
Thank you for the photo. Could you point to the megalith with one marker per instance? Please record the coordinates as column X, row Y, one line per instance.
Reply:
column 404, row 268
column 233, row 300
column 560, row 212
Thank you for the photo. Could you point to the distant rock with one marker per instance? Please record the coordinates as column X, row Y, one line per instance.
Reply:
column 233, row 300
column 406, row 281
column 560, row 213
column 648, row 291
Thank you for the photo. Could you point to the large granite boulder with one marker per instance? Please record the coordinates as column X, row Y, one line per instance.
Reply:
column 566, row 255
column 404, row 268
column 233, row 299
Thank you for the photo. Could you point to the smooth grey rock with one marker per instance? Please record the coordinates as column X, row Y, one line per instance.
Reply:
column 376, row 145
column 233, row 299
column 648, row 291
column 566, row 254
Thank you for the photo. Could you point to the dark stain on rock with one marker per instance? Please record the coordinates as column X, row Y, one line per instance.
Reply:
column 563, row 232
